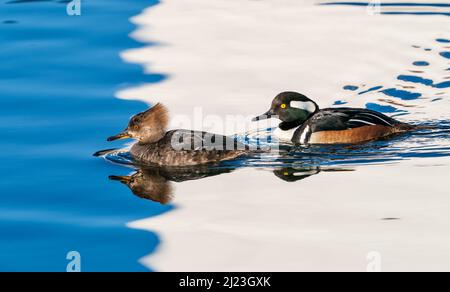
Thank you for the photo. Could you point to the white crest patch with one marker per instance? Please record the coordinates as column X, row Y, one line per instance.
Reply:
column 310, row 172
column 304, row 105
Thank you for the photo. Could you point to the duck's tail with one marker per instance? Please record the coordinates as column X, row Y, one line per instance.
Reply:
column 403, row 127
column 423, row 127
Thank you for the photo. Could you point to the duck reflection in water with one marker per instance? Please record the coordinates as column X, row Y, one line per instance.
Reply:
column 155, row 183
column 293, row 174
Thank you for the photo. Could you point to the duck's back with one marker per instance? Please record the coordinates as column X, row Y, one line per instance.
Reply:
column 186, row 147
column 347, row 126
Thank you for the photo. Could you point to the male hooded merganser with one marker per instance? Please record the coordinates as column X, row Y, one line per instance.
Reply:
column 157, row 146
column 304, row 123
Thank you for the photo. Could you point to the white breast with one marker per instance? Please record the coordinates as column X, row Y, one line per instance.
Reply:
column 284, row 136
column 304, row 135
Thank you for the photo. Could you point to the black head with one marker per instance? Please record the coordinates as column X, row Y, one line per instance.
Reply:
column 290, row 107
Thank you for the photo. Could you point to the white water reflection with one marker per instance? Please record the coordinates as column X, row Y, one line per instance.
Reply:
column 250, row 220
column 233, row 57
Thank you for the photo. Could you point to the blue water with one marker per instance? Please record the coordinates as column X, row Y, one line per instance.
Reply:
column 411, row 93
column 58, row 76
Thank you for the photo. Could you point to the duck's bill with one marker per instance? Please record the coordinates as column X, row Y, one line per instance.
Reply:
column 264, row 116
column 123, row 135
column 123, row 179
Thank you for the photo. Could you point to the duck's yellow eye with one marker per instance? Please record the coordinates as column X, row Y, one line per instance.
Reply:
column 283, row 105
column 286, row 173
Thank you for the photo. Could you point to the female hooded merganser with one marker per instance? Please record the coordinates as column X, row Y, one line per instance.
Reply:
column 157, row 146
column 304, row 123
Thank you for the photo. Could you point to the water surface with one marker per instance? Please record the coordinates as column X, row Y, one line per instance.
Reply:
column 316, row 208
column 57, row 82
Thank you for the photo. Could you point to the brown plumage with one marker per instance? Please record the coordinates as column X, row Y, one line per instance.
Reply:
column 148, row 184
column 352, row 136
column 155, row 183
column 158, row 146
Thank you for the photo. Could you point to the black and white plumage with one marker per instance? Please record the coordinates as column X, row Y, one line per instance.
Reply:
column 346, row 125
column 304, row 123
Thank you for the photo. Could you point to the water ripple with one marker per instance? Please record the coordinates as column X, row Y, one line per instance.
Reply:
column 433, row 142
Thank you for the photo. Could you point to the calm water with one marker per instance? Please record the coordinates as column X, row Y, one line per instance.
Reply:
column 58, row 80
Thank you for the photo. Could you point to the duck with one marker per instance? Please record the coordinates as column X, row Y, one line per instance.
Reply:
column 304, row 123
column 155, row 145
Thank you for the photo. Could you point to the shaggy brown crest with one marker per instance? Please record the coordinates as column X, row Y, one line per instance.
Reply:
column 149, row 126
column 158, row 115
